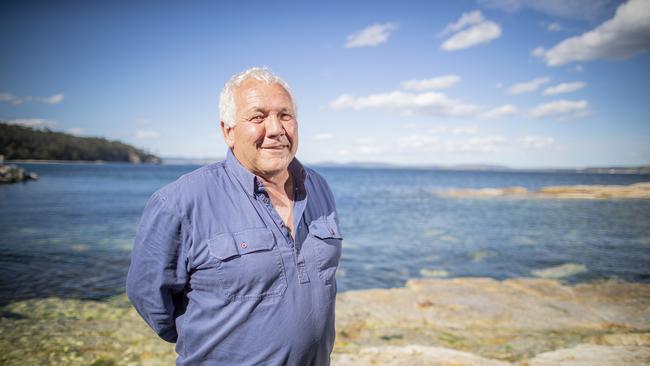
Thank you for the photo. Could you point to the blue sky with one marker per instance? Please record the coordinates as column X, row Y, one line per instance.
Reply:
column 514, row 82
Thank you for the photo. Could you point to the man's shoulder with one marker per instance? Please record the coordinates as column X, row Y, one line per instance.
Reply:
column 193, row 183
column 316, row 181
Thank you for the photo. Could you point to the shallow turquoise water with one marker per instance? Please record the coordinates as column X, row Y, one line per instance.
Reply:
column 70, row 233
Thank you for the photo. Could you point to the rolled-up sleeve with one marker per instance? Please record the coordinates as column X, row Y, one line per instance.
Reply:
column 158, row 272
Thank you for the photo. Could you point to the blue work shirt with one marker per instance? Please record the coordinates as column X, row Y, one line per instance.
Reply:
column 215, row 270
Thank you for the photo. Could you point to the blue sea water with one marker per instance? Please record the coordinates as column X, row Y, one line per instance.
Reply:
column 70, row 233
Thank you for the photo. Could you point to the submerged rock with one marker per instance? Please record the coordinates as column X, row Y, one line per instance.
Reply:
column 561, row 271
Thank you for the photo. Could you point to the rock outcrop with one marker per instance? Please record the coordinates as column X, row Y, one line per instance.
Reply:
column 636, row 191
column 12, row 174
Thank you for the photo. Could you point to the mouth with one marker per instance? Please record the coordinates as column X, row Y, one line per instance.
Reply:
column 275, row 147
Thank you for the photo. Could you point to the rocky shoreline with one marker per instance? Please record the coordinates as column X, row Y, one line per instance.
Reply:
column 633, row 191
column 461, row 321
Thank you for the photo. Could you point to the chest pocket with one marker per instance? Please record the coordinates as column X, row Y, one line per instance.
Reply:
column 249, row 264
column 327, row 244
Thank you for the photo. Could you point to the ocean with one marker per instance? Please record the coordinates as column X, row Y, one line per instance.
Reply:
column 70, row 233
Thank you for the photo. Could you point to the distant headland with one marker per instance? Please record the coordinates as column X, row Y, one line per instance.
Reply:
column 26, row 143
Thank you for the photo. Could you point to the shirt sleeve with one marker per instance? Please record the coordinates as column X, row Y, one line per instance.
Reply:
column 158, row 272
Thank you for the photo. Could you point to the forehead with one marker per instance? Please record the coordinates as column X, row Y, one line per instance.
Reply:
column 254, row 94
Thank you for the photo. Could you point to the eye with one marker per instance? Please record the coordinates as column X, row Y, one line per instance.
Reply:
column 258, row 118
column 286, row 116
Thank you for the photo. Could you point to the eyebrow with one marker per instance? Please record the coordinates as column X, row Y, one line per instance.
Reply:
column 262, row 110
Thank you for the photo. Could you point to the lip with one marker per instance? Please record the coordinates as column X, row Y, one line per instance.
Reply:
column 275, row 147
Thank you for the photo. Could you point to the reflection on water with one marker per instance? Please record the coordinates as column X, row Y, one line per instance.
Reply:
column 70, row 233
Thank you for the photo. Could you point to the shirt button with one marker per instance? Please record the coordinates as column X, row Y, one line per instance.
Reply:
column 244, row 245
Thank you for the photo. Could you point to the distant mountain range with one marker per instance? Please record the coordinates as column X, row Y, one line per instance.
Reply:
column 26, row 143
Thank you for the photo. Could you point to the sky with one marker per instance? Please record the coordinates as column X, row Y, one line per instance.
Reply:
column 521, row 83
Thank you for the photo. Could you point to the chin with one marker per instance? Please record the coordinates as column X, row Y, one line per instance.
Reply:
column 276, row 165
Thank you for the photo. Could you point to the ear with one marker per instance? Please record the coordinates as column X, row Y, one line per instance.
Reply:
column 228, row 134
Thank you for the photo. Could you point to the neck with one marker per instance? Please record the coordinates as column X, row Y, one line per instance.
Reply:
column 281, row 184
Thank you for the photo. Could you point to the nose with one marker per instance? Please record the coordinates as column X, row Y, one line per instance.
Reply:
column 274, row 126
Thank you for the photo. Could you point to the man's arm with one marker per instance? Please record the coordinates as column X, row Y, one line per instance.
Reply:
column 158, row 273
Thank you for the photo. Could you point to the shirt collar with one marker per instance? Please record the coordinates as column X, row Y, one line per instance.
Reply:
column 250, row 181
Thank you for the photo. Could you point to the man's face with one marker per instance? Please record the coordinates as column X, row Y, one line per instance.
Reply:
column 265, row 136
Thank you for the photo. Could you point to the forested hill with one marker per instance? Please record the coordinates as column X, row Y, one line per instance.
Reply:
column 25, row 143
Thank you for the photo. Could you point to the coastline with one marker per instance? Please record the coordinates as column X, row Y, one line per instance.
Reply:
column 460, row 321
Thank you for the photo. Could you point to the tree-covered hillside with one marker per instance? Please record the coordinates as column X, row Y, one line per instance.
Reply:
column 22, row 143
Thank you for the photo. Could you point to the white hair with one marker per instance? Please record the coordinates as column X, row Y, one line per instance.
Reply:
column 227, row 98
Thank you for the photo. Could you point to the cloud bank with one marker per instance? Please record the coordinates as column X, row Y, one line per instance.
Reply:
column 429, row 103
column 625, row 35
column 441, row 82
column 14, row 99
column 33, row 122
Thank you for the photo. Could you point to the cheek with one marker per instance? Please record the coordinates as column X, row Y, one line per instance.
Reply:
column 252, row 134
column 292, row 130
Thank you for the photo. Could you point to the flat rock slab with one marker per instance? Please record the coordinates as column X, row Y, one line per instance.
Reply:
column 468, row 321
column 508, row 320
column 416, row 355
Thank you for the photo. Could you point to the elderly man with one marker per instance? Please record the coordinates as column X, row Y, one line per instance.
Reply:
column 235, row 261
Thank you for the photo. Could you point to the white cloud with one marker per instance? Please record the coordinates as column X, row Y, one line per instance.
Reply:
column 477, row 34
column 561, row 109
column 75, row 130
column 429, row 103
column 147, row 135
column 10, row 98
column 625, row 35
column 500, row 112
column 54, row 99
column 440, row 82
column 529, row 86
column 343, row 101
column 33, row 122
column 475, row 144
column 471, row 18
column 371, row 36
column 369, row 145
column 536, row 142
column 578, row 68
column 14, row 99
column 464, row 130
column 438, row 129
column 323, row 136
column 141, row 121
column 554, row 27
column 564, row 88
column 578, row 9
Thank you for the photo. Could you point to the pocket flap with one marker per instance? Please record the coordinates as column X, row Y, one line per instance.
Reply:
column 324, row 229
column 228, row 245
